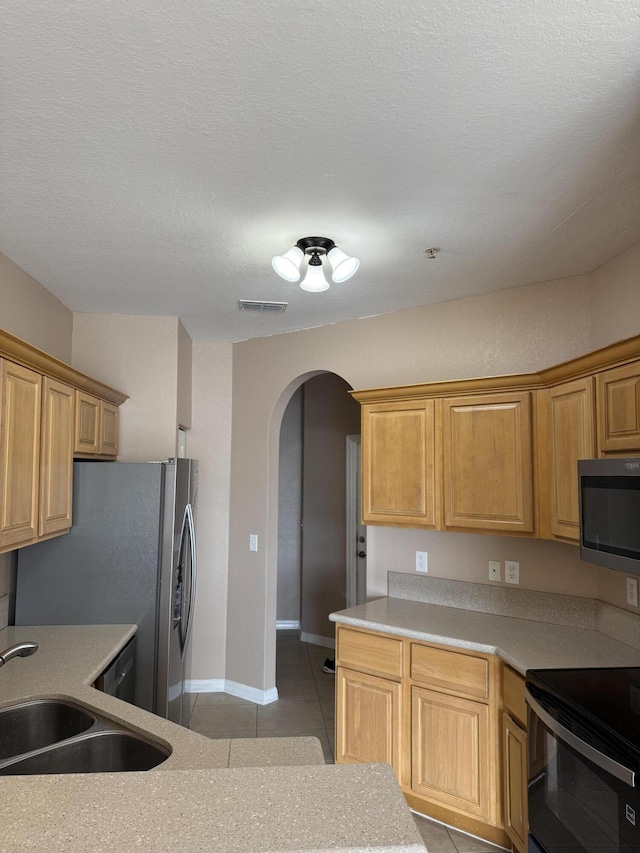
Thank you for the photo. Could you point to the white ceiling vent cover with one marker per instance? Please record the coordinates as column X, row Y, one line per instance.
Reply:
column 253, row 305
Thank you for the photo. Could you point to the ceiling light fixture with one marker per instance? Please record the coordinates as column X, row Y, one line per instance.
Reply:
column 308, row 255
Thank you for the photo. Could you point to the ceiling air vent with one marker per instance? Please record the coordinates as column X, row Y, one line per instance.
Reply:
column 253, row 305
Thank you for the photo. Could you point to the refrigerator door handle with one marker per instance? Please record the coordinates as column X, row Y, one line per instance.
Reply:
column 186, row 633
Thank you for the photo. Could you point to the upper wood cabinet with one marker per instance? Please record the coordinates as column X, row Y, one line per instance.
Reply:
column 56, row 458
column 497, row 454
column 37, row 455
column 566, row 433
column 96, row 430
column 398, row 465
column 38, row 416
column 487, row 462
column 21, row 391
column 619, row 410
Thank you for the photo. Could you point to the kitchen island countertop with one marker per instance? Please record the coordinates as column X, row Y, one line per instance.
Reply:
column 199, row 801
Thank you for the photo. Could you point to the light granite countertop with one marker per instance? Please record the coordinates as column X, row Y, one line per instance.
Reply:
column 522, row 643
column 208, row 797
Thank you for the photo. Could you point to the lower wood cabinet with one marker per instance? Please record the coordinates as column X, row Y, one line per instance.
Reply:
column 514, row 745
column 450, row 751
column 370, row 708
column 514, row 758
column 432, row 713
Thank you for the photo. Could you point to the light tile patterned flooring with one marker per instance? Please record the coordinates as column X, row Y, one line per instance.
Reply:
column 306, row 707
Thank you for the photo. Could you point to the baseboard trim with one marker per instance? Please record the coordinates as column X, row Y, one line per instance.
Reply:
column 233, row 688
column 204, row 685
column 317, row 640
column 283, row 625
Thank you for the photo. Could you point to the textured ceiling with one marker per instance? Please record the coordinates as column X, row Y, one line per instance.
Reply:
column 155, row 155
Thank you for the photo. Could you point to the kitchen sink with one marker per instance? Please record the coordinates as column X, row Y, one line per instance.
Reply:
column 102, row 752
column 42, row 722
column 56, row 736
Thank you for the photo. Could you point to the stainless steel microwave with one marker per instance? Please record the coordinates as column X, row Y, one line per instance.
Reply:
column 609, row 492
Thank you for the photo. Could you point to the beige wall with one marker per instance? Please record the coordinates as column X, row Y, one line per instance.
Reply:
column 615, row 299
column 138, row 356
column 511, row 331
column 32, row 313
column 210, row 442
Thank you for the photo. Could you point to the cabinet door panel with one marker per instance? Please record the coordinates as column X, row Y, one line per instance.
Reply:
column 368, row 717
column 19, row 453
column 56, row 457
column 398, row 461
column 571, row 437
column 108, row 429
column 488, row 480
column 87, row 431
column 515, row 783
column 450, row 751
column 619, row 409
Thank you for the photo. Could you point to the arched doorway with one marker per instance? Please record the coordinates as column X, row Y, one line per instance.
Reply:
column 312, row 505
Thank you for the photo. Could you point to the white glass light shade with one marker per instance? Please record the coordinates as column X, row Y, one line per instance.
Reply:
column 342, row 265
column 288, row 265
column 314, row 281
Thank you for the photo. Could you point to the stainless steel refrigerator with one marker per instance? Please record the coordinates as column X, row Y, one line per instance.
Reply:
column 129, row 558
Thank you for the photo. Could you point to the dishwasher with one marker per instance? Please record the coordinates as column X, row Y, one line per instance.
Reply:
column 119, row 677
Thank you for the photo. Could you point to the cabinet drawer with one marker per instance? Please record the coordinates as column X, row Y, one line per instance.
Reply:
column 357, row 650
column 513, row 695
column 451, row 672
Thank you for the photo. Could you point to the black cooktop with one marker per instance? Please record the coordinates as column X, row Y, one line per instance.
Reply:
column 606, row 699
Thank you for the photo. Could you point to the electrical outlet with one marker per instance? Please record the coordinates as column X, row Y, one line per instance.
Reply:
column 511, row 571
column 632, row 591
column 494, row 570
column 253, row 541
column 421, row 561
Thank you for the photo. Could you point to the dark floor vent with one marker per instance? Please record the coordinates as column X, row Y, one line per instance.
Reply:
column 253, row 305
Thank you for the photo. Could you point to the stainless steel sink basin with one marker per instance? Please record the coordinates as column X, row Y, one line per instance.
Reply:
column 42, row 722
column 56, row 736
column 102, row 752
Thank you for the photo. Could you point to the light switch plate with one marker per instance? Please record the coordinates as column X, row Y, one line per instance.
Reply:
column 253, row 541
column 632, row 591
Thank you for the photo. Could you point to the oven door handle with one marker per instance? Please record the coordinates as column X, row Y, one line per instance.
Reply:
column 625, row 774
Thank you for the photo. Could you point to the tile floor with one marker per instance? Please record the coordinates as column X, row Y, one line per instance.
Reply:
column 305, row 708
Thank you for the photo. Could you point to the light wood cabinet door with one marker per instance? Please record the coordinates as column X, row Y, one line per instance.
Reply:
column 398, row 463
column 368, row 717
column 108, row 429
column 21, row 391
column 619, row 409
column 487, row 465
column 514, row 746
column 450, row 751
column 56, row 457
column 87, row 425
column 96, row 426
column 571, row 436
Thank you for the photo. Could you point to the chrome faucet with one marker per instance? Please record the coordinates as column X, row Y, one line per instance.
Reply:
column 22, row 650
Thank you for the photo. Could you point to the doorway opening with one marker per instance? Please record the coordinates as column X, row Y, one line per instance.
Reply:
column 313, row 497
